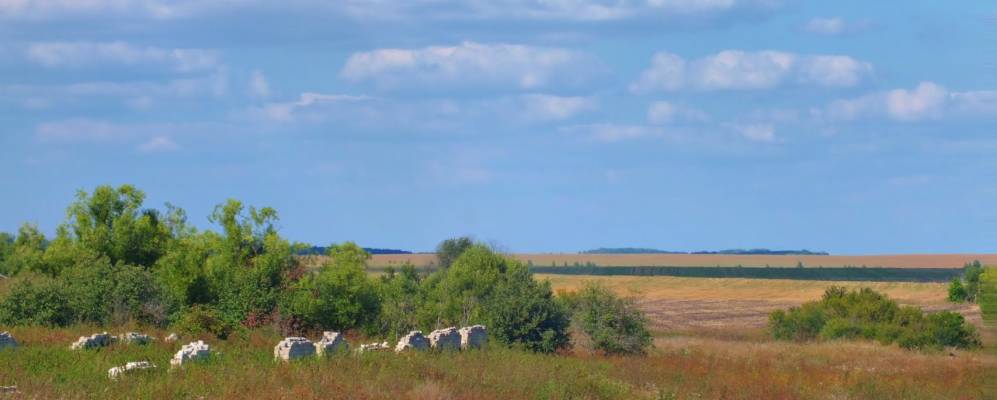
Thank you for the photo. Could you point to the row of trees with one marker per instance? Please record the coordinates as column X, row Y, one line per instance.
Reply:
column 114, row 261
column 966, row 288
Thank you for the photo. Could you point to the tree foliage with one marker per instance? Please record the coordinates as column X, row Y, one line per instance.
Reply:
column 613, row 324
column 449, row 250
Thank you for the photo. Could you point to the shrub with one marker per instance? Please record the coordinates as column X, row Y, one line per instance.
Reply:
column 957, row 292
column 340, row 296
column 866, row 314
column 198, row 320
column 44, row 301
column 614, row 325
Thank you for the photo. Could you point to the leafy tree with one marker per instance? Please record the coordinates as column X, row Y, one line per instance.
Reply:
column 401, row 298
column 24, row 253
column 449, row 250
column 615, row 325
column 111, row 222
column 339, row 296
column 957, row 292
column 43, row 302
column 484, row 287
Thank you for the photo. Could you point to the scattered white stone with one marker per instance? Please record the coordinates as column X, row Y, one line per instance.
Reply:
column 116, row 372
column 414, row 340
column 445, row 339
column 9, row 390
column 473, row 337
column 93, row 341
column 171, row 338
column 374, row 347
column 331, row 343
column 134, row 338
column 293, row 348
column 193, row 351
column 6, row 340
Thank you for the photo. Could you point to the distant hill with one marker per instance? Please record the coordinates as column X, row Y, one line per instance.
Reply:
column 321, row 250
column 764, row 252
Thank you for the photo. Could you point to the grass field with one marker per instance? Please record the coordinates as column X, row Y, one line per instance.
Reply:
column 679, row 368
column 709, row 260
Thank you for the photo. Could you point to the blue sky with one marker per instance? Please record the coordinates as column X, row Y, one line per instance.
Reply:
column 543, row 126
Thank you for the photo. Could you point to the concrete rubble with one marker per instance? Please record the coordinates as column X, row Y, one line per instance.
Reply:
column 194, row 351
column 134, row 338
column 293, row 348
column 373, row 347
column 96, row 340
column 445, row 339
column 414, row 341
column 7, row 341
column 331, row 343
column 117, row 372
column 171, row 338
column 473, row 337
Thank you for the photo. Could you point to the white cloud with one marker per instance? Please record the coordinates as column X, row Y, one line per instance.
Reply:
column 468, row 64
column 258, row 85
column 159, row 144
column 757, row 132
column 663, row 112
column 743, row 70
column 611, row 133
column 834, row 26
column 85, row 54
column 286, row 111
column 548, row 107
column 928, row 100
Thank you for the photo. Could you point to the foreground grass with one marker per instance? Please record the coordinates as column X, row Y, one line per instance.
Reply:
column 681, row 367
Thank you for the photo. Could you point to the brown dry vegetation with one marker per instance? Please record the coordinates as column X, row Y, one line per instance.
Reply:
column 709, row 260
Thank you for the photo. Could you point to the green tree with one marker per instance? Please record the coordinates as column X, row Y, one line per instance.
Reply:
column 111, row 222
column 449, row 250
column 957, row 292
column 26, row 252
column 339, row 296
column 401, row 298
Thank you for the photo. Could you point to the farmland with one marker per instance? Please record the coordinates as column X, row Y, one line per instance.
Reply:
column 713, row 260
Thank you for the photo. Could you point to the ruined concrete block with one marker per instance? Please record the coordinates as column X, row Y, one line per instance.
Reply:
column 373, row 347
column 445, row 339
column 293, row 348
column 134, row 338
column 414, row 341
column 93, row 341
column 171, row 338
column 194, row 351
column 473, row 337
column 331, row 343
column 7, row 341
column 117, row 372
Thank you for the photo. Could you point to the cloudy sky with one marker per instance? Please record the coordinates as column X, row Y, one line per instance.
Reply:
column 540, row 125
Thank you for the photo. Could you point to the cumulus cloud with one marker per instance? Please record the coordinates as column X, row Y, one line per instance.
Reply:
column 611, row 133
column 287, row 111
column 85, row 54
column 756, row 132
column 468, row 64
column 928, row 100
column 158, row 144
column 834, row 26
column 549, row 107
column 664, row 112
column 744, row 70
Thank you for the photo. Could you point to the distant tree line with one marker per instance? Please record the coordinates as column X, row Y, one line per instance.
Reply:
column 114, row 261
column 322, row 250
column 641, row 250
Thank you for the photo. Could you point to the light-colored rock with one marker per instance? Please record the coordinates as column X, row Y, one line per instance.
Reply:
column 473, row 337
column 293, row 348
column 171, row 338
column 7, row 341
column 93, row 341
column 373, row 347
column 134, row 338
column 331, row 343
column 444, row 339
column 414, row 341
column 117, row 372
column 194, row 351
column 9, row 390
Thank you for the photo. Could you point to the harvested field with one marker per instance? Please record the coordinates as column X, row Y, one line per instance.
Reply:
column 710, row 260
column 717, row 304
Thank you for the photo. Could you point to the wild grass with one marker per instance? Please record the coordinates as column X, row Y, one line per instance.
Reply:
column 680, row 367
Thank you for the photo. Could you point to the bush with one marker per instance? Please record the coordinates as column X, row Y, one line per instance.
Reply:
column 340, row 296
column 44, row 302
column 104, row 294
column 199, row 320
column 866, row 314
column 957, row 292
column 613, row 324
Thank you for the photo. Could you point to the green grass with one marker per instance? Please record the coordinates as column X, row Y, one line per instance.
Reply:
column 681, row 368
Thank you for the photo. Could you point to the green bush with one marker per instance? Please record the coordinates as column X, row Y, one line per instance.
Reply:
column 339, row 297
column 866, row 314
column 198, row 320
column 614, row 325
column 42, row 301
column 957, row 292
